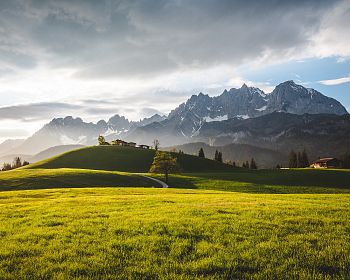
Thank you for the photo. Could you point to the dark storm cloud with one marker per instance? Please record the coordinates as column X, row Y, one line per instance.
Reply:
column 143, row 38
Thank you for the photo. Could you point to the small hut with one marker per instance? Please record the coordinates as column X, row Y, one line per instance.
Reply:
column 326, row 163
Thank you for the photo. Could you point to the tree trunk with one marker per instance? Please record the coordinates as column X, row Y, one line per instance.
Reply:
column 166, row 177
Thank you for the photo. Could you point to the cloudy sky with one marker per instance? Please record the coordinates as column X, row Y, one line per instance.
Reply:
column 94, row 59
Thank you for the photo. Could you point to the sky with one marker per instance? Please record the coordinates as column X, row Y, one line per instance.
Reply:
column 93, row 59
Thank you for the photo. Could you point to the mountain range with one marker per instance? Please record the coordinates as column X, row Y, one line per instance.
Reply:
column 291, row 116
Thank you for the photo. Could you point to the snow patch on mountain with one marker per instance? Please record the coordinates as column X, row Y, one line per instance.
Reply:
column 65, row 140
column 244, row 117
column 216, row 119
column 263, row 108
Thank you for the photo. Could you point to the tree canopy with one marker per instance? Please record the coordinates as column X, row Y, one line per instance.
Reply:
column 164, row 163
column 102, row 140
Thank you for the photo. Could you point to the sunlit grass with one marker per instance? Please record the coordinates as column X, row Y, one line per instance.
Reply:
column 172, row 234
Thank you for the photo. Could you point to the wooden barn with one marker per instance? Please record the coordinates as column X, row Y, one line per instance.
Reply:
column 326, row 163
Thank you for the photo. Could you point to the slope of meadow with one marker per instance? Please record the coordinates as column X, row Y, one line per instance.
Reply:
column 126, row 159
column 67, row 177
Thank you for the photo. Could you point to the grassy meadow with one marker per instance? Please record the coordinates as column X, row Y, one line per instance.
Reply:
column 140, row 233
column 89, row 214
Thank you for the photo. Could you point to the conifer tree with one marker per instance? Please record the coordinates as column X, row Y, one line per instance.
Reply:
column 293, row 160
column 299, row 160
column 219, row 157
column 305, row 159
column 201, row 153
column 216, row 155
column 253, row 164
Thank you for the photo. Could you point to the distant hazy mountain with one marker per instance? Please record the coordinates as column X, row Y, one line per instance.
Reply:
column 50, row 152
column 10, row 144
column 53, row 151
column 216, row 120
column 74, row 131
column 238, row 153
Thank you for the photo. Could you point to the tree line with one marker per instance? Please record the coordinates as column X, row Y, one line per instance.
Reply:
column 218, row 157
column 298, row 159
column 17, row 162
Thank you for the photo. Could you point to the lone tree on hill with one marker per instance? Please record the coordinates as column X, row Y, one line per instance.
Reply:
column 156, row 144
column 101, row 140
column 253, row 164
column 293, row 159
column 216, row 155
column 201, row 153
column 164, row 163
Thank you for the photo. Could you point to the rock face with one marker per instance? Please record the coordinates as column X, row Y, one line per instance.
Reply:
column 320, row 134
column 295, row 99
column 249, row 102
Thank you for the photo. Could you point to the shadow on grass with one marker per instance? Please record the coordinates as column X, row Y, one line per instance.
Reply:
column 267, row 181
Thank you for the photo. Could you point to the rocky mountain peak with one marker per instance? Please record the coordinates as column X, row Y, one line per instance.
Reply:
column 244, row 86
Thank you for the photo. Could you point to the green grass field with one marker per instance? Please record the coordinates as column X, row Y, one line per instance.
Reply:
column 127, row 233
column 78, row 216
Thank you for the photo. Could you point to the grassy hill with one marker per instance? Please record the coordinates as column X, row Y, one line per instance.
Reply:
column 172, row 234
column 126, row 159
column 238, row 153
column 69, row 178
